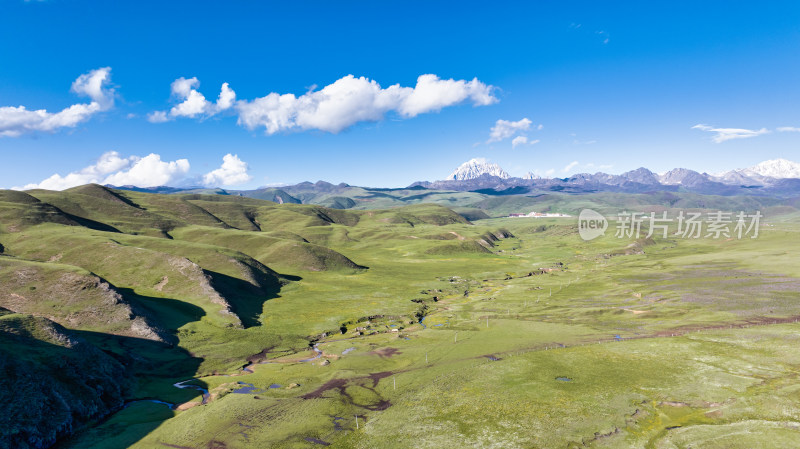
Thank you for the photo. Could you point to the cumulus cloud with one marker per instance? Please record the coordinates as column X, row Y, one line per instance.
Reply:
column 723, row 134
column 111, row 168
column 335, row 107
column 149, row 171
column 94, row 85
column 109, row 162
column 503, row 129
column 232, row 171
column 18, row 120
column 192, row 103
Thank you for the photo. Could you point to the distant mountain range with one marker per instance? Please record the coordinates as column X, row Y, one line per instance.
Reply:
column 479, row 180
column 778, row 177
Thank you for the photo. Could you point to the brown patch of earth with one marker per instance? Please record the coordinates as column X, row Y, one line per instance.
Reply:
column 376, row 377
column 636, row 312
column 385, row 352
column 186, row 406
column 333, row 384
column 162, row 283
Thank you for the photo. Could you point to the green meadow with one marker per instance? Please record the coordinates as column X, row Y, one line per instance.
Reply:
column 305, row 326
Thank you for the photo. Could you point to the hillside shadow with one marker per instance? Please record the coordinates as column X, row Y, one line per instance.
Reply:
column 166, row 313
column 48, row 388
column 91, row 224
column 246, row 300
column 152, row 368
column 71, row 388
column 290, row 277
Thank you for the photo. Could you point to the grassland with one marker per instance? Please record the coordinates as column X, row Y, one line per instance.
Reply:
column 427, row 330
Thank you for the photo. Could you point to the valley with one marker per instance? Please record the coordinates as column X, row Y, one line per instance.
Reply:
column 225, row 321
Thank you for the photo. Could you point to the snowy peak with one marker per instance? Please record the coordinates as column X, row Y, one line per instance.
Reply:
column 775, row 168
column 475, row 168
column 735, row 177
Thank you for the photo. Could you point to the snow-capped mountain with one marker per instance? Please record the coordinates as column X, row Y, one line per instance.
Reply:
column 475, row 168
column 735, row 177
column 775, row 168
column 777, row 177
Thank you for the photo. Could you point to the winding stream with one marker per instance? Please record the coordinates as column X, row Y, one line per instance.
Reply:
column 183, row 385
column 318, row 354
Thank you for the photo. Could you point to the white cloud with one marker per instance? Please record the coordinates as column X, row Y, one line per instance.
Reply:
column 232, row 171
column 157, row 117
column 16, row 121
column 522, row 140
column 150, row 171
column 723, row 134
column 107, row 163
column 226, row 97
column 94, row 85
column 788, row 129
column 335, row 107
column 110, row 168
column 570, row 166
column 192, row 102
column 432, row 94
column 503, row 129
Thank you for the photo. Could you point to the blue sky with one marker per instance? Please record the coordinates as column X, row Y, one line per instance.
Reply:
column 614, row 86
